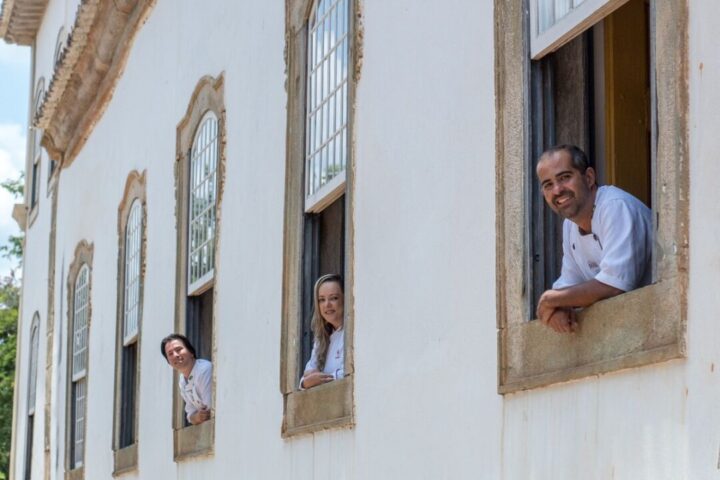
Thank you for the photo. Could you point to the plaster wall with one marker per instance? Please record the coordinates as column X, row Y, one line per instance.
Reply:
column 426, row 402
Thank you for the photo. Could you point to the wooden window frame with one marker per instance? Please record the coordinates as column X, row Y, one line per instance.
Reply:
column 638, row 328
column 330, row 405
column 83, row 256
column 564, row 29
column 195, row 440
column 125, row 458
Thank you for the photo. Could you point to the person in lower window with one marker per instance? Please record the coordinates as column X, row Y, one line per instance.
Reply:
column 195, row 376
column 327, row 360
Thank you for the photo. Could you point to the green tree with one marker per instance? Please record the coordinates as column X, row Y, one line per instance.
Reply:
column 14, row 247
column 9, row 306
column 9, row 303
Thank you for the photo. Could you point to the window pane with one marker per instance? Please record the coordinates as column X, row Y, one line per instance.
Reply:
column 203, row 188
column 79, row 396
column 80, row 323
column 133, row 264
column 32, row 377
column 327, row 92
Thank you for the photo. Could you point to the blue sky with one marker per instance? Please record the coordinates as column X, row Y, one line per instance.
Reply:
column 14, row 88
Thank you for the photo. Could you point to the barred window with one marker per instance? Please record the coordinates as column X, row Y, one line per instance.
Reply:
column 36, row 154
column 133, row 243
column 203, row 193
column 81, row 310
column 32, row 389
column 32, row 377
column 327, row 103
column 80, row 324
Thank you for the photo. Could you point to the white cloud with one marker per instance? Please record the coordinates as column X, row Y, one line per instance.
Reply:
column 12, row 162
column 14, row 55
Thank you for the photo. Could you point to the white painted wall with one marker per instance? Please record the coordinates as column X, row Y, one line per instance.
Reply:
column 425, row 337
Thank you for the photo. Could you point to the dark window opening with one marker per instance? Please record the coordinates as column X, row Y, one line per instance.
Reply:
column 594, row 92
column 128, row 389
column 324, row 252
column 29, row 446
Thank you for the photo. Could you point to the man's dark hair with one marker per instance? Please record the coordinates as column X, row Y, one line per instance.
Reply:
column 580, row 160
column 176, row 336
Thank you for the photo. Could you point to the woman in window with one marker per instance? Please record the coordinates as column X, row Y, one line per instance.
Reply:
column 328, row 354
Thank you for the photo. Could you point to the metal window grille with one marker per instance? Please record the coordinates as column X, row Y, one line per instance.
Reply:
column 80, row 324
column 32, row 377
column 203, row 196
column 133, row 264
column 326, row 143
column 79, row 403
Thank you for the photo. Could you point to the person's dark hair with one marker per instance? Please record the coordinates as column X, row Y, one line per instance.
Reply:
column 177, row 336
column 580, row 160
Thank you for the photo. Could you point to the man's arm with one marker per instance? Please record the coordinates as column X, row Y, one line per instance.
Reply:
column 580, row 295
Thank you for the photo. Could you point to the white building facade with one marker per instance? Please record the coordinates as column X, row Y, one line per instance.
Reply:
column 194, row 166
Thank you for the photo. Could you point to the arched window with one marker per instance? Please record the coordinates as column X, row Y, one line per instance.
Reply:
column 131, row 251
column 32, row 390
column 36, row 149
column 200, row 156
column 133, row 263
column 80, row 332
column 203, row 193
column 59, row 45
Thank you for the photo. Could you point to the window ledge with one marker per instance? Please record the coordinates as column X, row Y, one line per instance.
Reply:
column 194, row 440
column 319, row 408
column 125, row 460
column 637, row 328
column 75, row 474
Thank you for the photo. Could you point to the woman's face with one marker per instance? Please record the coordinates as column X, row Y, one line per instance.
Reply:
column 331, row 303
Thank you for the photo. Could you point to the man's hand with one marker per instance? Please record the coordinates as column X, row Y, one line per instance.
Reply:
column 313, row 378
column 563, row 320
column 200, row 416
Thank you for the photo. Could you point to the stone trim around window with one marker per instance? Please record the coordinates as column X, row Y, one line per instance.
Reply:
column 83, row 256
column 641, row 327
column 330, row 405
column 126, row 459
column 195, row 440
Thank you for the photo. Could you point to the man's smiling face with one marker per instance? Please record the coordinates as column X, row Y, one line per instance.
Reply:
column 178, row 356
column 567, row 191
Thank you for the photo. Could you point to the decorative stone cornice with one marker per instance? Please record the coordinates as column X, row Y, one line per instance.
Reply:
column 20, row 20
column 87, row 72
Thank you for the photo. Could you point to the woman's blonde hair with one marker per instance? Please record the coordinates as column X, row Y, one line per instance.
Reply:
column 322, row 329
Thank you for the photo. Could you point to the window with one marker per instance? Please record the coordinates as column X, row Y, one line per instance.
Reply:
column 554, row 22
column 201, row 159
column 318, row 214
column 572, row 96
column 32, row 390
column 36, row 151
column 59, row 46
column 203, row 185
column 79, row 309
column 131, row 235
column 594, row 92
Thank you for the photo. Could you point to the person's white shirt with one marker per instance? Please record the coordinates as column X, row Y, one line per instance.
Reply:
column 197, row 389
column 335, row 360
column 618, row 250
